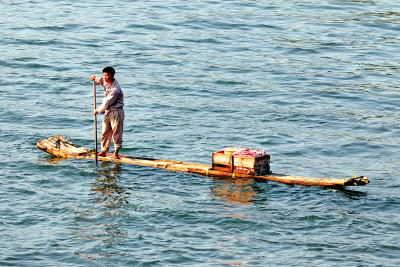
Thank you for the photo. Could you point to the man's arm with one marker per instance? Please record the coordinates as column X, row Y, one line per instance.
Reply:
column 108, row 101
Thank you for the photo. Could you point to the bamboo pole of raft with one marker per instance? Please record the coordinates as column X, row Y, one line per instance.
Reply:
column 60, row 147
column 95, row 121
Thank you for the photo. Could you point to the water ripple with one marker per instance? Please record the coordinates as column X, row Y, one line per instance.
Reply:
column 313, row 83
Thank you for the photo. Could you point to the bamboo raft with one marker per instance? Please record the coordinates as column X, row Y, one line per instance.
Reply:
column 61, row 147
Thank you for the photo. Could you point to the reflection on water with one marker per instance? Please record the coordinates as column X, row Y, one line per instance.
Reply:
column 54, row 160
column 98, row 221
column 238, row 195
column 351, row 194
column 229, row 247
column 235, row 191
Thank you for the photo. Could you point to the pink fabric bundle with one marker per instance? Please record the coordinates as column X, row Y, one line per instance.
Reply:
column 242, row 151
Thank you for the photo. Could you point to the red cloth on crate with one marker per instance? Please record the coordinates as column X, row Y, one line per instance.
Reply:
column 242, row 151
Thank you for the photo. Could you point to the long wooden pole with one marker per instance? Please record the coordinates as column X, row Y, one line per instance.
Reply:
column 95, row 122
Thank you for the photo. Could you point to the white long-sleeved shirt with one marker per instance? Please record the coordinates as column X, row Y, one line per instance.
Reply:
column 113, row 96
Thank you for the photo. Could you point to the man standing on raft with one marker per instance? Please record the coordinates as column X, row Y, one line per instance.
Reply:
column 112, row 106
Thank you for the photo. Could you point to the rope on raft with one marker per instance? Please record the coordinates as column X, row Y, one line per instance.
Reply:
column 70, row 145
column 65, row 141
column 357, row 180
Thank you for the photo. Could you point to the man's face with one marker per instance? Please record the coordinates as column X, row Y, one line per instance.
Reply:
column 108, row 77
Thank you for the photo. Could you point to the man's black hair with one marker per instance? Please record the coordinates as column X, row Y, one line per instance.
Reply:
column 109, row 70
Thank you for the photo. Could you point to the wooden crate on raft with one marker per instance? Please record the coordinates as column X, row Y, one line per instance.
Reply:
column 223, row 161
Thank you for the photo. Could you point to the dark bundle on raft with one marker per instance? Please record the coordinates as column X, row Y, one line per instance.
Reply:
column 61, row 147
